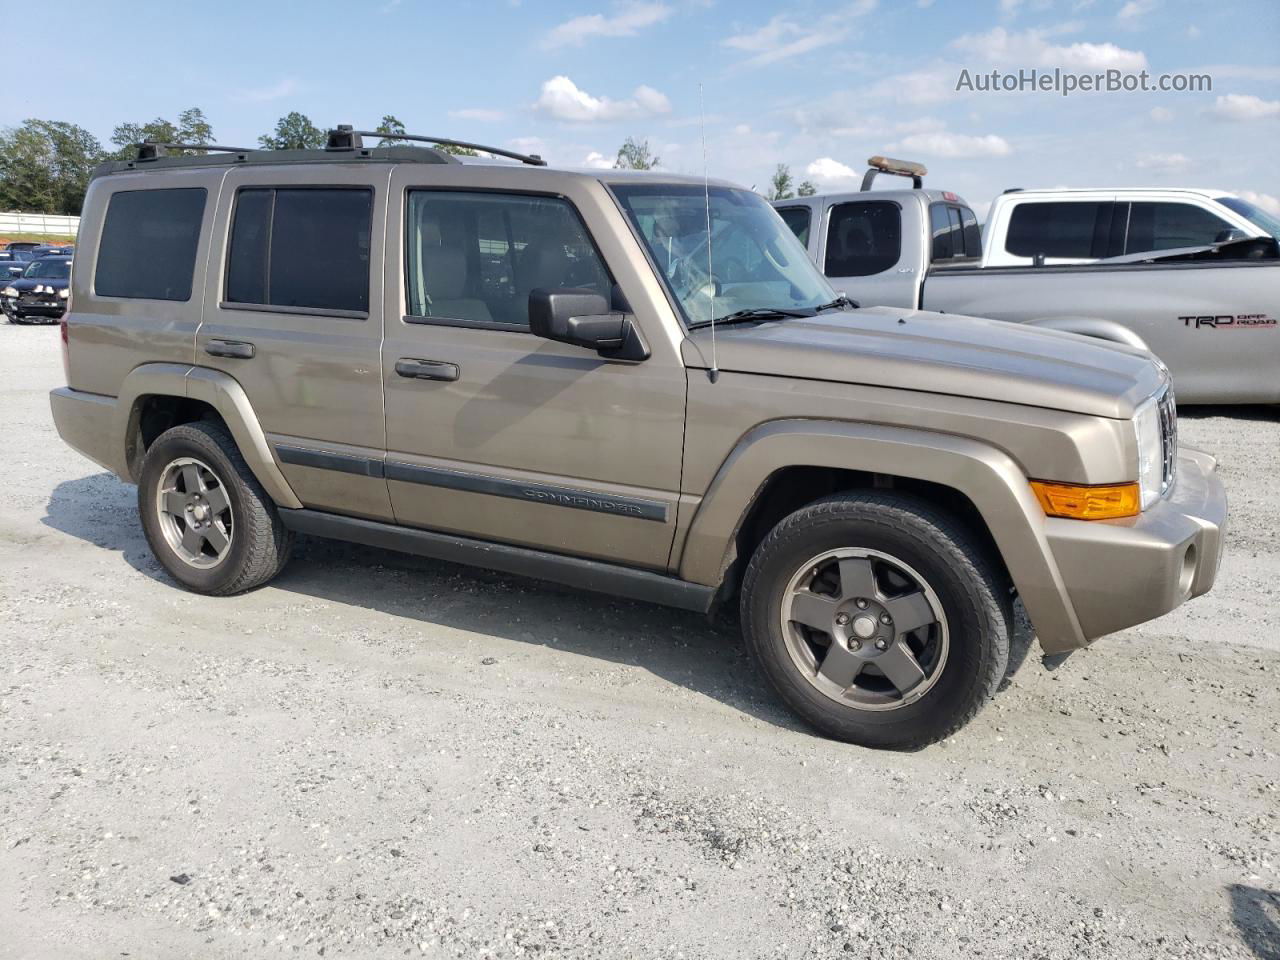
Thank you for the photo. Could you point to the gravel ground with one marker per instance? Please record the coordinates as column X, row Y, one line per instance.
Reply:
column 382, row 756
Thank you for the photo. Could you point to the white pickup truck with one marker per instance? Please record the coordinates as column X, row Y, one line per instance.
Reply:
column 1206, row 303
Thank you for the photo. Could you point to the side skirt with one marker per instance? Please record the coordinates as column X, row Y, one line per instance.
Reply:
column 585, row 574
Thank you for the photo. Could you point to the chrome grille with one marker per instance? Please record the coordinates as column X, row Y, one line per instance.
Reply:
column 1168, row 437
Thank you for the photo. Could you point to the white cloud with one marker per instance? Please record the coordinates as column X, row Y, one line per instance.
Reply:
column 595, row 160
column 1162, row 161
column 1135, row 10
column 827, row 169
column 562, row 99
column 1031, row 48
column 1264, row 200
column 627, row 22
column 1162, row 114
column 478, row 113
column 943, row 144
column 284, row 88
column 1245, row 106
column 784, row 37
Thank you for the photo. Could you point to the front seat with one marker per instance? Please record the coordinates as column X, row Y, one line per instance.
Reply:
column 446, row 282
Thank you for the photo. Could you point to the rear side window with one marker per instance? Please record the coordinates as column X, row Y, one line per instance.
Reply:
column 148, row 246
column 1166, row 226
column 303, row 248
column 474, row 257
column 863, row 238
column 798, row 220
column 955, row 232
column 1074, row 229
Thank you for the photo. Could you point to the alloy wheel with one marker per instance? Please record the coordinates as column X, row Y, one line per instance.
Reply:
column 865, row 629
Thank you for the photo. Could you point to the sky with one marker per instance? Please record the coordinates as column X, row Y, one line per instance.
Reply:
column 817, row 86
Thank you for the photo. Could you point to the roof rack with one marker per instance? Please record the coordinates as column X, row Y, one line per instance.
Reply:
column 897, row 168
column 154, row 149
column 344, row 137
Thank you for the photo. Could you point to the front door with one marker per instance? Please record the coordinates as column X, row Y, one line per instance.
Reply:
column 294, row 315
column 498, row 434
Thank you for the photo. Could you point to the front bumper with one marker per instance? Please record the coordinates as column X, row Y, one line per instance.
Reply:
column 53, row 309
column 1122, row 572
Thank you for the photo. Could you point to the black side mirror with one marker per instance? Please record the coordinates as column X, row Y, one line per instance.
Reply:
column 583, row 318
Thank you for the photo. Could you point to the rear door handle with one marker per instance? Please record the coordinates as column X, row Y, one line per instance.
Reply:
column 426, row 369
column 236, row 349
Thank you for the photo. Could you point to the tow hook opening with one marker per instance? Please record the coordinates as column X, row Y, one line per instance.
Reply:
column 1188, row 575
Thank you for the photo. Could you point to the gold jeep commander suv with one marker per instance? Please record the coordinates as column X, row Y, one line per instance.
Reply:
column 637, row 384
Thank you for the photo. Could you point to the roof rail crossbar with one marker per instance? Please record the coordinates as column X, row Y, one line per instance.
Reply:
column 154, row 149
column 344, row 137
column 896, row 168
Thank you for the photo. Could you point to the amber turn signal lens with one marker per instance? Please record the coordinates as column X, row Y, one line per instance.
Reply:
column 1079, row 502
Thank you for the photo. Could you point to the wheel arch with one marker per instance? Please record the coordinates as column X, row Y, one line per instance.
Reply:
column 980, row 483
column 1096, row 327
column 155, row 396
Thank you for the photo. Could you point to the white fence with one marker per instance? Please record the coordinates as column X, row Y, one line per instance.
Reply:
column 41, row 223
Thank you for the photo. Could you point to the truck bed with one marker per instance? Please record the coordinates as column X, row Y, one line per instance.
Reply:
column 1213, row 323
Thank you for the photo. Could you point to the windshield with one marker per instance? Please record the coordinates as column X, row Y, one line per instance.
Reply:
column 756, row 263
column 1253, row 213
column 49, row 269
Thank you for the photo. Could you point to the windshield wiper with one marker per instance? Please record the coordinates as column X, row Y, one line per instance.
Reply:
column 840, row 301
column 753, row 313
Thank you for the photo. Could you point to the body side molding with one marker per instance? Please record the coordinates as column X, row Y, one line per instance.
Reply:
column 592, row 575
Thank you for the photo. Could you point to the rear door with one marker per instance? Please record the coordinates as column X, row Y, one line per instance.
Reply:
column 868, row 255
column 292, row 312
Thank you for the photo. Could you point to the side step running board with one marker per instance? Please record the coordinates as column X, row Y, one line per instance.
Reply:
column 593, row 575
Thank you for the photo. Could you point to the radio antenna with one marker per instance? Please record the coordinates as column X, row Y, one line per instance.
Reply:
column 714, row 373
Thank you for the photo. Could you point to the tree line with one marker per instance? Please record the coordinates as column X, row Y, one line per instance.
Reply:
column 45, row 165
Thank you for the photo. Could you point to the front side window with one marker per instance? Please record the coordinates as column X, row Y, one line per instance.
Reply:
column 301, row 248
column 1069, row 229
column 1167, row 226
column 863, row 238
column 475, row 257
column 148, row 245
column 798, row 219
column 1267, row 222
column 751, row 262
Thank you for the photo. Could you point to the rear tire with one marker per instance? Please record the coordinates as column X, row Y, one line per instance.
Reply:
column 878, row 619
column 206, row 518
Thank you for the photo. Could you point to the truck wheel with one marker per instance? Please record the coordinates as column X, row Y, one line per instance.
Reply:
column 207, row 519
column 877, row 618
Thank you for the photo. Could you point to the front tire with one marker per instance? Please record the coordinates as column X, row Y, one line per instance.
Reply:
column 206, row 518
column 878, row 619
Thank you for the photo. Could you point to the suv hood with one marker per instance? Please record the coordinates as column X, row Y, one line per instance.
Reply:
column 940, row 353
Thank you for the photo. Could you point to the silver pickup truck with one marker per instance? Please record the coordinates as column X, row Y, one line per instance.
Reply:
column 1209, row 313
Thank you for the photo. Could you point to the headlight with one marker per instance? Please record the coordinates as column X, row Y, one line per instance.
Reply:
column 9, row 292
column 64, row 292
column 1146, row 425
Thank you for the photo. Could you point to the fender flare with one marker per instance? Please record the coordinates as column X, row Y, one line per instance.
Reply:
column 1095, row 327
column 992, row 481
column 222, row 392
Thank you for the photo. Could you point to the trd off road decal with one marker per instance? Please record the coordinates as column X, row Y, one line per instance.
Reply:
column 1227, row 321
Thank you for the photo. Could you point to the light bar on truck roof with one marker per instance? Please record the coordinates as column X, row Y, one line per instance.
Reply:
column 897, row 168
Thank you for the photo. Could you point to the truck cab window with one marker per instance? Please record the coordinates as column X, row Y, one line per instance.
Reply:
column 863, row 238
column 1167, row 226
column 798, row 219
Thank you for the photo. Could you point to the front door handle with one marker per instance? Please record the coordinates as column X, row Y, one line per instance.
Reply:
column 426, row 369
column 236, row 349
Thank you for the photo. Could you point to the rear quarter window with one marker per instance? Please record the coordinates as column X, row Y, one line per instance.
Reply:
column 863, row 238
column 148, row 245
